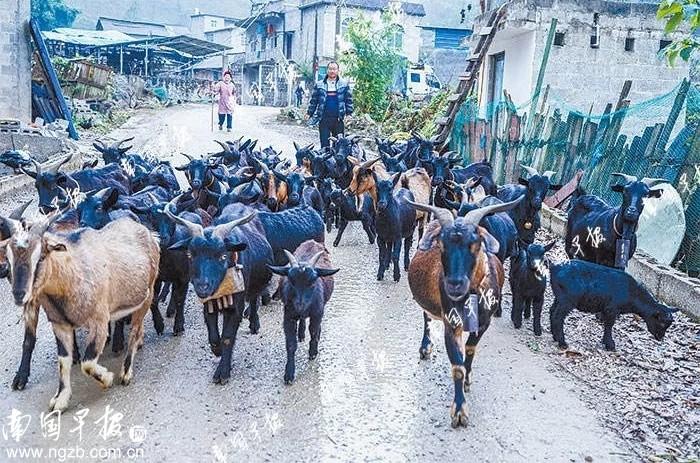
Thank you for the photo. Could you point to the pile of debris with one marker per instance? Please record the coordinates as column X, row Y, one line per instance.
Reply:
column 648, row 392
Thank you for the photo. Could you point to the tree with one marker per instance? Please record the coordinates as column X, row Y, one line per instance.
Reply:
column 678, row 13
column 371, row 62
column 51, row 14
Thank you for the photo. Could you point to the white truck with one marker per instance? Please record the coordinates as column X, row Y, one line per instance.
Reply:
column 416, row 82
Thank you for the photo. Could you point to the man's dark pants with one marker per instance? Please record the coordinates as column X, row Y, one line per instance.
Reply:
column 329, row 127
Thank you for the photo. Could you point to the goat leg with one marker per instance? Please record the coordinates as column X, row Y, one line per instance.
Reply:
column 232, row 320
column 426, row 345
column 290, row 335
column 31, row 318
column 455, row 352
column 64, row 345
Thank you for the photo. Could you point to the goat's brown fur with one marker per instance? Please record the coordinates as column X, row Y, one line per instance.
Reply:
column 86, row 279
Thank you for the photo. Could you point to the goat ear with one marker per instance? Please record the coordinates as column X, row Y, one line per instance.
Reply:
column 550, row 246
column 28, row 172
column 296, row 147
column 326, row 272
column 235, row 247
column 395, row 179
column 490, row 243
column 617, row 188
column 523, row 181
column 180, row 245
column 431, row 234
column 54, row 244
column 281, row 271
column 555, row 187
column 655, row 193
column 111, row 199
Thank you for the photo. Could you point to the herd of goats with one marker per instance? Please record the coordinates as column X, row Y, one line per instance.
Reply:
column 112, row 242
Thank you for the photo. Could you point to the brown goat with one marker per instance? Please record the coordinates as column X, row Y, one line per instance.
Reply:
column 417, row 181
column 456, row 259
column 85, row 279
column 364, row 177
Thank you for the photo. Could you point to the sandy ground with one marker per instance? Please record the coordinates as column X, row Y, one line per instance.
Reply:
column 367, row 397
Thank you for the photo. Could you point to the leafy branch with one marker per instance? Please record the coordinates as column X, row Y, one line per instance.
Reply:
column 677, row 13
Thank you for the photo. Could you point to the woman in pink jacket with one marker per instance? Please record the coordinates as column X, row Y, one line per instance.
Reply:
column 226, row 92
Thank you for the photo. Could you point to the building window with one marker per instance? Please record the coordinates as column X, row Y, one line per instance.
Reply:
column 396, row 37
column 629, row 44
column 415, row 77
column 664, row 43
column 559, row 39
column 212, row 23
column 595, row 41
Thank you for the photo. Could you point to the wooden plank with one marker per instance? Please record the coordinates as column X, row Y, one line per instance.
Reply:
column 443, row 121
column 53, row 83
column 465, row 76
column 454, row 97
column 558, row 198
column 673, row 117
column 486, row 30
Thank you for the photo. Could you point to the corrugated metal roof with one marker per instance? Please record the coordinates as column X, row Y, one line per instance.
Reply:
column 86, row 36
column 134, row 28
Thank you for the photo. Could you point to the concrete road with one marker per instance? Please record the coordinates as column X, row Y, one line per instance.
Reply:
column 367, row 397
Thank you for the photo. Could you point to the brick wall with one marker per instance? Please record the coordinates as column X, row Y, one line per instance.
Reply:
column 15, row 73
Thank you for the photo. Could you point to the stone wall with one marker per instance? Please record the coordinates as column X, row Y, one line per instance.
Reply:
column 15, row 72
column 448, row 64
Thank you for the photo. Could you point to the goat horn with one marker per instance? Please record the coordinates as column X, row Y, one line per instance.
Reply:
column 37, row 167
column 530, row 170
column 243, row 170
column 116, row 145
column 19, row 212
column 470, row 183
column 227, row 149
column 292, row 259
column 628, row 178
column 315, row 258
column 57, row 167
column 443, row 216
column 652, row 182
column 102, row 144
column 368, row 164
column 222, row 231
column 475, row 216
column 187, row 156
column 549, row 174
column 194, row 228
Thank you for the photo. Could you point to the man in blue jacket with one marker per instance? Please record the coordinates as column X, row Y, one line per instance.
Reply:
column 331, row 102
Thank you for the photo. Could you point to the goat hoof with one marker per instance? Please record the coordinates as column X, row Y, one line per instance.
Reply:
column 336, row 243
column 160, row 327
column 610, row 347
column 216, row 349
column 220, row 376
column 265, row 300
column 426, row 351
column 517, row 325
column 254, row 328
column 170, row 313
column 59, row 401
column 563, row 345
column 538, row 331
column 397, row 277
column 19, row 382
column 301, row 337
column 460, row 417
column 313, row 355
column 498, row 313
column 177, row 331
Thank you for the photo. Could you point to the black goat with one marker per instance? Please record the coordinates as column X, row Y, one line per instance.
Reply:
column 594, row 288
column 215, row 254
column 527, row 214
column 306, row 288
column 54, row 187
column 528, row 281
column 300, row 190
column 348, row 212
column 593, row 227
column 395, row 220
column 200, row 175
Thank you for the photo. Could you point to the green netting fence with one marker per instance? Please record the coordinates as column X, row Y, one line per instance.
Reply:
column 659, row 137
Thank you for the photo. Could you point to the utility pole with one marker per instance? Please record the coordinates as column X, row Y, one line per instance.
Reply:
column 338, row 22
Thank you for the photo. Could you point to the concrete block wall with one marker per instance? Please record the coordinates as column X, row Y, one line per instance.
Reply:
column 15, row 66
